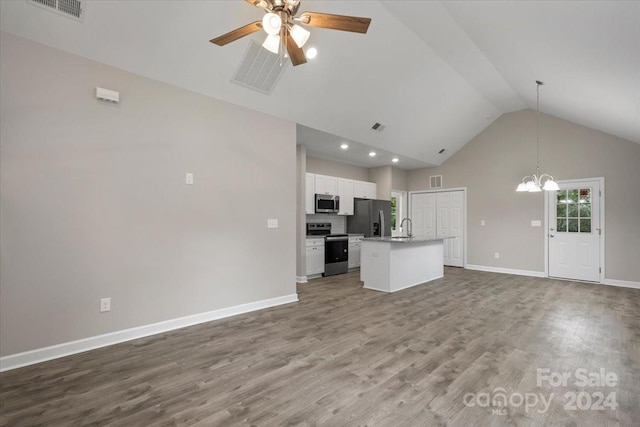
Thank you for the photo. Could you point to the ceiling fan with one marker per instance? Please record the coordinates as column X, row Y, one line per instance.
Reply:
column 280, row 24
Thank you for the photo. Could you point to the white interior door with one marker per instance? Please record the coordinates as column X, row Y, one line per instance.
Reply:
column 423, row 214
column 574, row 231
column 441, row 214
column 450, row 223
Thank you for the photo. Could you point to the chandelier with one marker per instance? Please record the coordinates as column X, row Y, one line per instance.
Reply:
column 538, row 182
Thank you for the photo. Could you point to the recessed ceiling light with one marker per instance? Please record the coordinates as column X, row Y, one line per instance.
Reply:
column 372, row 154
column 312, row 52
column 344, row 146
column 395, row 160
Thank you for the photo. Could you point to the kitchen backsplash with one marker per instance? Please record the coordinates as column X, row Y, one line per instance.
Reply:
column 338, row 222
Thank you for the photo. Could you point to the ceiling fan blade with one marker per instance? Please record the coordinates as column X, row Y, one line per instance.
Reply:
column 236, row 34
column 336, row 22
column 295, row 53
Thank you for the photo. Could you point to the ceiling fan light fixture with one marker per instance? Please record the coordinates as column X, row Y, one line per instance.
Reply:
column 272, row 44
column 271, row 23
column 299, row 35
column 292, row 3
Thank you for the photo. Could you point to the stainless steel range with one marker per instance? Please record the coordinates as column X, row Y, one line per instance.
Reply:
column 336, row 248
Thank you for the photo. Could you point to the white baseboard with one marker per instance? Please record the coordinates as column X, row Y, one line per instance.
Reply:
column 301, row 279
column 31, row 357
column 505, row 270
column 610, row 282
column 621, row 283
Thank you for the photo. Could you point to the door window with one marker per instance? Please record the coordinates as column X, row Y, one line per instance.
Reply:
column 573, row 210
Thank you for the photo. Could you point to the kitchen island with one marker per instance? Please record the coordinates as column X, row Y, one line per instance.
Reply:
column 389, row 264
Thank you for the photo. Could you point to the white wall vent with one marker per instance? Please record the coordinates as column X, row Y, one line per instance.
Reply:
column 435, row 181
column 70, row 8
column 260, row 69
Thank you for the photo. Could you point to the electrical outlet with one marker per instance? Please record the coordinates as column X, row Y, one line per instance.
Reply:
column 189, row 179
column 482, row 223
column 496, row 255
column 105, row 305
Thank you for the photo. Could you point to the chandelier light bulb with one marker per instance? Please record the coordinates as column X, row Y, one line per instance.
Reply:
column 271, row 23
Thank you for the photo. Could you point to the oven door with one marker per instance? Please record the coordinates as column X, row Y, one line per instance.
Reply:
column 336, row 249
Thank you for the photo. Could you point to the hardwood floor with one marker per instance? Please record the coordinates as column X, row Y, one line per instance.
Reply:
column 345, row 355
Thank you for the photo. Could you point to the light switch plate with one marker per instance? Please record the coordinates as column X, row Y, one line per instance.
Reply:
column 482, row 223
column 536, row 223
column 272, row 223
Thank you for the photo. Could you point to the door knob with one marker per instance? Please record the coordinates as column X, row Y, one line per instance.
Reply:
column 551, row 235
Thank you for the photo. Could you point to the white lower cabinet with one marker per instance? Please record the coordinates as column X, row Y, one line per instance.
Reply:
column 354, row 251
column 315, row 256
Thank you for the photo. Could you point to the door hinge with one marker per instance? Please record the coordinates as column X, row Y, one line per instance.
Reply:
column 600, row 269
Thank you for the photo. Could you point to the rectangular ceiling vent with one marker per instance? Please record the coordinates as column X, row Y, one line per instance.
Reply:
column 435, row 181
column 260, row 69
column 378, row 127
column 73, row 9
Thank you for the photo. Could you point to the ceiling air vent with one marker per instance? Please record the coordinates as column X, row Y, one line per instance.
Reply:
column 260, row 69
column 70, row 8
column 435, row 181
column 379, row 127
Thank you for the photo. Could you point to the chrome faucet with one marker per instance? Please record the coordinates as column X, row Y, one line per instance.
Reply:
column 410, row 229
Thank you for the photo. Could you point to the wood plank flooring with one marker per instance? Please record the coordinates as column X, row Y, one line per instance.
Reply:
column 345, row 355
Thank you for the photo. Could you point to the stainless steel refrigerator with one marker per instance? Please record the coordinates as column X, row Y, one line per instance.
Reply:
column 370, row 217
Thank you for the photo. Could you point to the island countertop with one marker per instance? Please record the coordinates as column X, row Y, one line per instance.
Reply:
column 404, row 239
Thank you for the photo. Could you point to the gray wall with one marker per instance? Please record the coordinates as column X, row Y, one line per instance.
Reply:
column 399, row 179
column 382, row 177
column 331, row 168
column 495, row 161
column 94, row 202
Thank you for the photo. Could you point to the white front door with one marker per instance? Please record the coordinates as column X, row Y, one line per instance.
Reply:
column 449, row 223
column 574, row 231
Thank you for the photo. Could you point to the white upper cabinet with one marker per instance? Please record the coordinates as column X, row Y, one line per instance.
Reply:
column 310, row 194
column 345, row 191
column 326, row 185
column 364, row 190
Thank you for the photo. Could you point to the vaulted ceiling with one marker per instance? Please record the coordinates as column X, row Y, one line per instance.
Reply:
column 434, row 73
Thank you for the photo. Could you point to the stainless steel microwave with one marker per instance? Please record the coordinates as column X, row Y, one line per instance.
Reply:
column 327, row 204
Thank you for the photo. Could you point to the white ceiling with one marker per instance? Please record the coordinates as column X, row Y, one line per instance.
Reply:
column 434, row 73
